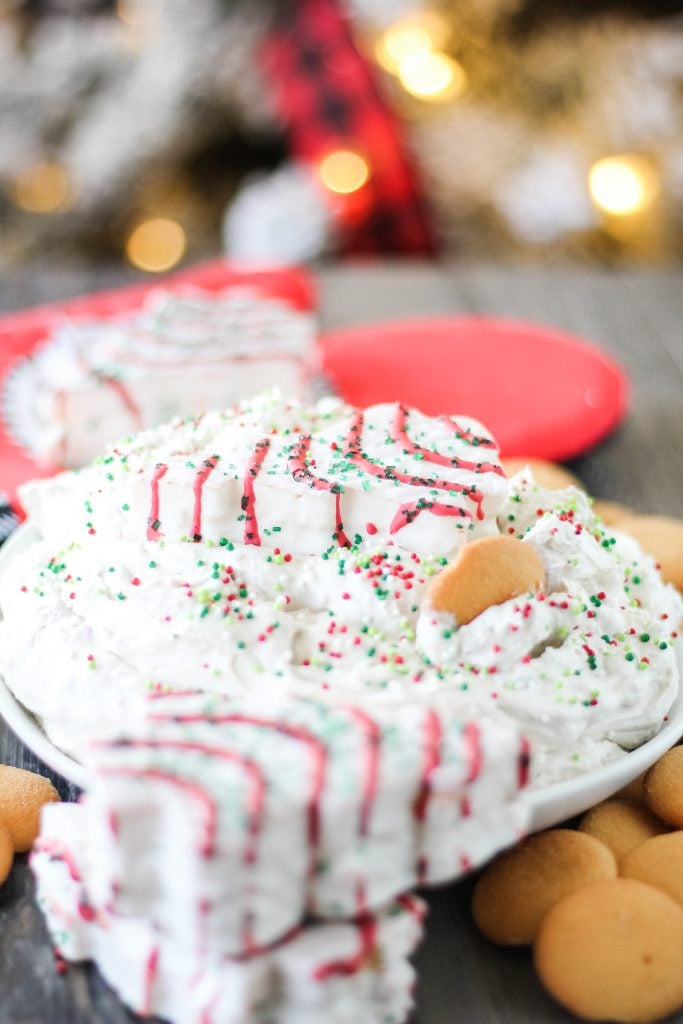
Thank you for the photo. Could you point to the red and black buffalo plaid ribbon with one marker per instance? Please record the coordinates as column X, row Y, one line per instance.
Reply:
column 328, row 98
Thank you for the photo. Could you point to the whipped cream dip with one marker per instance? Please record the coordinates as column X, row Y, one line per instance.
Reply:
column 283, row 549
column 287, row 737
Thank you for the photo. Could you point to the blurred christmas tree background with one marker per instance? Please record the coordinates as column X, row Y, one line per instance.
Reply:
column 157, row 131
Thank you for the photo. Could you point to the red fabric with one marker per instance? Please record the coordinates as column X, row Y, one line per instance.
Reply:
column 20, row 332
column 328, row 98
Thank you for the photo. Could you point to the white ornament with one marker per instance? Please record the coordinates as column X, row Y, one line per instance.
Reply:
column 282, row 217
column 547, row 197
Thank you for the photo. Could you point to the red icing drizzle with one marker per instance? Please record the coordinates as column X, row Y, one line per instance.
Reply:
column 319, row 756
column 127, row 400
column 300, row 471
column 251, row 533
column 268, row 947
column 192, row 788
column 367, row 934
column 412, row 906
column 151, row 971
column 431, row 758
column 373, row 736
column 355, row 454
column 57, row 851
column 523, row 763
column 474, row 755
column 153, row 521
column 257, row 782
column 410, row 511
column 207, row 1012
column 204, row 909
column 366, row 924
column 200, row 479
column 463, row 434
column 400, row 436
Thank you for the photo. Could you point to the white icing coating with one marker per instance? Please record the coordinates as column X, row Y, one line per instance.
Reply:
column 93, row 381
column 276, row 810
column 275, row 473
column 159, row 973
column 217, row 836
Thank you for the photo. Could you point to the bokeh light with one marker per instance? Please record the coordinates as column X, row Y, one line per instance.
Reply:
column 422, row 32
column 622, row 185
column 156, row 245
column 139, row 13
column 432, row 76
column 344, row 171
column 43, row 188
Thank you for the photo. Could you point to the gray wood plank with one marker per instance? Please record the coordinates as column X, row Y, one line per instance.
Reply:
column 638, row 316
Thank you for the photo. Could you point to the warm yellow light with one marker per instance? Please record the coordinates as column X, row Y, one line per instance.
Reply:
column 622, row 185
column 139, row 13
column 43, row 188
column 344, row 171
column 156, row 245
column 417, row 34
column 399, row 42
column 432, row 76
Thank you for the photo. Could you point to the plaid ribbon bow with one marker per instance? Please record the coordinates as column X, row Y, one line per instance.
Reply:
column 328, row 98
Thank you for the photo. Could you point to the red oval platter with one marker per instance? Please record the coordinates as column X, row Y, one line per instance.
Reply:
column 540, row 391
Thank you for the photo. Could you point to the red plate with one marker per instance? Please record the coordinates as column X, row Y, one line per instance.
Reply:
column 540, row 391
column 20, row 332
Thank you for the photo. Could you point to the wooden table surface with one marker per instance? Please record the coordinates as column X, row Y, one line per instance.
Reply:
column 637, row 315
